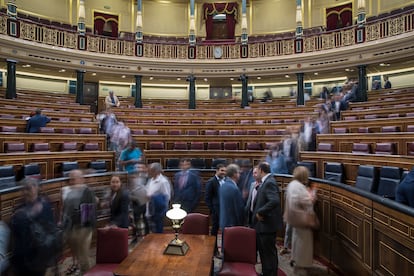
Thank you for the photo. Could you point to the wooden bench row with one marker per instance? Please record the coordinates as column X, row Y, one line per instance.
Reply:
column 51, row 162
column 55, row 141
column 34, row 103
column 374, row 125
column 58, row 115
column 351, row 161
column 380, row 112
column 58, row 126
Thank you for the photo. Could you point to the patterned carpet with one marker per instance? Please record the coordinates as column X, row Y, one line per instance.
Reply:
column 285, row 269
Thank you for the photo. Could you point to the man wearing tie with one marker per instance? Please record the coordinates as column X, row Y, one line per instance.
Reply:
column 187, row 186
column 254, row 186
column 212, row 196
column 267, row 219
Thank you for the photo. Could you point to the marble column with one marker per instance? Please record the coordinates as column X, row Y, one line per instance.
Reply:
column 362, row 95
column 300, row 100
column 138, row 91
column 244, row 100
column 191, row 97
column 11, row 79
column 80, row 74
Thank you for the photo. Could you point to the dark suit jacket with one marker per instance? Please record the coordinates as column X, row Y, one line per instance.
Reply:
column 120, row 209
column 231, row 205
column 405, row 190
column 36, row 122
column 188, row 196
column 212, row 195
column 267, row 204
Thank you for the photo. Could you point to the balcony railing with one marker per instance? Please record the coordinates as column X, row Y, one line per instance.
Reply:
column 67, row 38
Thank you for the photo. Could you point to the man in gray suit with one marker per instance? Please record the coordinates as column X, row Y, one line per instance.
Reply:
column 267, row 219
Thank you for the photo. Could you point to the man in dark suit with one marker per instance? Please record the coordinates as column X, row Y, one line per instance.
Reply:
column 36, row 122
column 405, row 190
column 212, row 196
column 119, row 204
column 231, row 201
column 187, row 186
column 267, row 219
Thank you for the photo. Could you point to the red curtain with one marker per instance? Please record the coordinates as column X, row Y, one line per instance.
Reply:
column 339, row 17
column 231, row 11
column 105, row 24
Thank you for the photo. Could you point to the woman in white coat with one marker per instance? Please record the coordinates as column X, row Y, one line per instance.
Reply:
column 300, row 198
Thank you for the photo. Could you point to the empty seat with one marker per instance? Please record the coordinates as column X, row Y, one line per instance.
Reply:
column 231, row 146
column 156, row 145
column 174, row 132
column 253, row 146
column 340, row 130
column 371, row 116
column 47, row 130
column 198, row 163
column 394, row 115
column 252, row 132
column 410, row 148
column 197, row 146
column 69, row 166
column 90, row 146
column 180, row 146
column 192, row 132
column 363, row 130
column 367, row 178
column 99, row 166
column 64, row 119
column 230, row 122
column 224, row 132
column 8, row 129
column 210, row 132
column 197, row 122
column 385, row 148
column 137, row 131
column 325, row 147
column 7, row 177
column 196, row 224
column 151, row 131
column 361, row 148
column 217, row 161
column 334, row 171
column 36, row 147
column 350, row 118
column 14, row 147
column 270, row 132
column 85, row 130
column 69, row 146
column 310, row 165
column 410, row 128
column 173, row 163
column 85, row 119
column 389, row 179
column 390, row 129
column 214, row 146
column 245, row 122
column 68, row 131
column 239, row 132
column 30, row 170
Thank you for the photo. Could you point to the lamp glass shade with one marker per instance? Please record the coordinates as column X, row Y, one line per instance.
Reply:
column 176, row 246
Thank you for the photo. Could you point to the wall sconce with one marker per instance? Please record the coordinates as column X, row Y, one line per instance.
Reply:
column 176, row 246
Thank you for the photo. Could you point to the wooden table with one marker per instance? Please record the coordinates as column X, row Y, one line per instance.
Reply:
column 147, row 258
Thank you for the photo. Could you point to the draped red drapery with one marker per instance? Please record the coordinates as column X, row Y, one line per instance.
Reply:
column 231, row 11
column 339, row 17
column 105, row 24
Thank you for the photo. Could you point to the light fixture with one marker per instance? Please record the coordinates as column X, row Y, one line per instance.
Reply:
column 93, row 74
column 123, row 76
column 205, row 79
column 259, row 78
column 231, row 79
column 316, row 73
column 384, row 64
column 151, row 78
column 176, row 246
column 178, row 78
column 26, row 65
column 62, row 70
column 287, row 76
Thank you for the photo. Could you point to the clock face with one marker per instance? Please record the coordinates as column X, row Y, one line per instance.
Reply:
column 218, row 52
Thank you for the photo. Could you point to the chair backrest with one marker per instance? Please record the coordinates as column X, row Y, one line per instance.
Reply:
column 47, row 130
column 310, row 165
column 85, row 130
column 180, row 145
column 99, row 166
column 197, row 146
column 198, row 163
column 68, row 166
column 14, row 147
column 68, row 131
column 224, row 132
column 41, row 147
column 192, row 132
column 367, row 178
column 390, row 129
column 253, row 146
column 334, row 171
column 339, row 130
column 8, row 129
column 410, row 148
column 7, row 177
column 385, row 148
column 239, row 244
column 361, row 148
column 111, row 245
column 91, row 146
column 69, row 146
column 173, row 163
column 214, row 146
column 196, row 224
column 325, row 147
column 389, row 179
column 230, row 145
column 32, row 170
column 151, row 131
column 156, row 145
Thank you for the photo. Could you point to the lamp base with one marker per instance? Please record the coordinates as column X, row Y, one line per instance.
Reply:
column 176, row 247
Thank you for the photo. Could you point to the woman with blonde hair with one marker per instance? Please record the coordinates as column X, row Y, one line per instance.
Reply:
column 299, row 204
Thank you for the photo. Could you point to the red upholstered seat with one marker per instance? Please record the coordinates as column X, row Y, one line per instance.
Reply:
column 253, row 146
column 40, row 147
column 214, row 146
column 180, row 146
column 245, row 122
column 8, row 129
column 210, row 132
column 390, row 129
column 69, row 146
column 91, row 146
column 361, row 148
column 111, row 250
column 252, row 132
column 410, row 148
column 85, row 130
column 156, row 145
column 385, row 148
column 197, row 146
column 174, row 132
column 14, row 147
column 275, row 121
column 192, row 132
column 151, row 131
column 363, row 130
column 47, row 130
column 410, row 128
column 340, row 130
column 325, row 147
column 231, row 146
column 270, row 132
column 196, row 224
column 239, row 132
column 371, row 116
column 68, row 130
column 239, row 248
column 224, row 132
column 137, row 131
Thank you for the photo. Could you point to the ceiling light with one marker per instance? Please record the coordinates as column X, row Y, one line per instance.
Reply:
column 26, row 65
column 151, row 78
column 349, row 70
column 231, row 78
column 316, row 73
column 123, row 76
column 178, row 78
column 384, row 64
column 93, row 74
column 287, row 76
column 62, row 70
column 259, row 78
column 205, row 79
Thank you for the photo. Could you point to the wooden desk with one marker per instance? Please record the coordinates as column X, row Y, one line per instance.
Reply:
column 147, row 258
